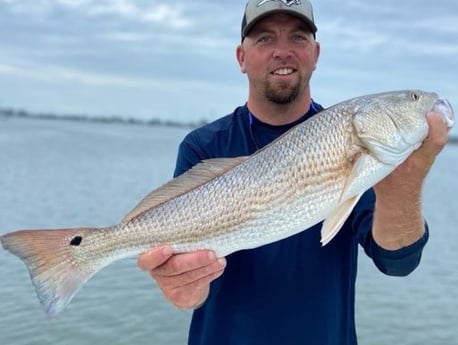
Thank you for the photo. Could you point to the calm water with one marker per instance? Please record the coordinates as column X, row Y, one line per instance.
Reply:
column 62, row 174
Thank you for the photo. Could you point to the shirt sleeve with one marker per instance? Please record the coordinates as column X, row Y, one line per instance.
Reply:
column 189, row 155
column 399, row 262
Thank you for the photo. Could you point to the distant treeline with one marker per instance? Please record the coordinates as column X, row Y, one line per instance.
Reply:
column 19, row 113
column 9, row 112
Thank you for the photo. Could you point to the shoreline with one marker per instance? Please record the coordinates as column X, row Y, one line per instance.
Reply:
column 11, row 113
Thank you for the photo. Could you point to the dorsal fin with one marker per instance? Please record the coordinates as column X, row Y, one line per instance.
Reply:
column 193, row 178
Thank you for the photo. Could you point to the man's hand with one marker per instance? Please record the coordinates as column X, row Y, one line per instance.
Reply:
column 414, row 170
column 398, row 217
column 183, row 278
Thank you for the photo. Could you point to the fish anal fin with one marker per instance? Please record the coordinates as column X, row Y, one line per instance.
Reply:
column 335, row 221
column 193, row 178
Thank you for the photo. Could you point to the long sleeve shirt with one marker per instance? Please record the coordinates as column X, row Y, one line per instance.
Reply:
column 294, row 291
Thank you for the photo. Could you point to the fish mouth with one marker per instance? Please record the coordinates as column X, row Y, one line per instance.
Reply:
column 444, row 108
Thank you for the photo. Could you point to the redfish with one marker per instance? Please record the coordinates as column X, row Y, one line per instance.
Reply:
column 315, row 172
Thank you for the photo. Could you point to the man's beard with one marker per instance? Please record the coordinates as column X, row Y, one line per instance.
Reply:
column 282, row 93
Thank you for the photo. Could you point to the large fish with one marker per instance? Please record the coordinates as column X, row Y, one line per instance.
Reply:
column 316, row 171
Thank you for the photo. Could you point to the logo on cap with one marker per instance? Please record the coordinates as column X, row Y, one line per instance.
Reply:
column 286, row 2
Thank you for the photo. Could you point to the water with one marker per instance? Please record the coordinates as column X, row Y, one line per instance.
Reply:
column 65, row 174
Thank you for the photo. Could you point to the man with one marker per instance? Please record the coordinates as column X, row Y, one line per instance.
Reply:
column 292, row 291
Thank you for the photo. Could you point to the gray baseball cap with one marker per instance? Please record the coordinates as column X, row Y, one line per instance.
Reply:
column 258, row 9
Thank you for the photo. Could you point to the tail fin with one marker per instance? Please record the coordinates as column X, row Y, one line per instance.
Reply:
column 56, row 272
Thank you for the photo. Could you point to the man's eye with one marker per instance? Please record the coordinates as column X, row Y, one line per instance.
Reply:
column 264, row 39
column 299, row 37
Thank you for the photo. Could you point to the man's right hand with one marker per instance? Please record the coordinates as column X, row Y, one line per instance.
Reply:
column 183, row 278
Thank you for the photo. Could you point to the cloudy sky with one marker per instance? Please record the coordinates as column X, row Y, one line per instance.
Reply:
column 176, row 59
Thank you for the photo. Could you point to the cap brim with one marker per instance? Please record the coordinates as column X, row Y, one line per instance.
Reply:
column 312, row 27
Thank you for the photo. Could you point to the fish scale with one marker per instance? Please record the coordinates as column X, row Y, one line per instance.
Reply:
column 315, row 172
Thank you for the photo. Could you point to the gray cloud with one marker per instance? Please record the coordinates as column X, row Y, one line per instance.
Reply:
column 177, row 59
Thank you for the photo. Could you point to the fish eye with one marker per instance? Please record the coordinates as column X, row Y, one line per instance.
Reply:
column 415, row 96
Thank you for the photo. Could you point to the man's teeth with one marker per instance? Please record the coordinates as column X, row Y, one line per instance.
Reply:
column 283, row 71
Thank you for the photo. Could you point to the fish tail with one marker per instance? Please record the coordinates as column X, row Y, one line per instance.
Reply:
column 56, row 269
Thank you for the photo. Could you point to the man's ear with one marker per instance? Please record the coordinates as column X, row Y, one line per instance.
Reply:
column 240, row 55
column 317, row 53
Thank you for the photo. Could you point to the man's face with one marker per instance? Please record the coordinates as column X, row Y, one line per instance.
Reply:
column 278, row 55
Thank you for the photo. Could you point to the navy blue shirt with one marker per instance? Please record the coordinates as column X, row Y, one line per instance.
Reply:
column 293, row 291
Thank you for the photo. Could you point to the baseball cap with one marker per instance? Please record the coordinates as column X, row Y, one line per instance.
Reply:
column 258, row 9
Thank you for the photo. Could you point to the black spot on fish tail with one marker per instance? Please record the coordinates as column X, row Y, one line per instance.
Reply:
column 76, row 241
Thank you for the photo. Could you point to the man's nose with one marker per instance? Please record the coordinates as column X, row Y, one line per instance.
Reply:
column 282, row 50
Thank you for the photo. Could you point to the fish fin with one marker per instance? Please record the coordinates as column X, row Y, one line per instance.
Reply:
column 355, row 178
column 56, row 274
column 193, row 178
column 334, row 222
column 367, row 170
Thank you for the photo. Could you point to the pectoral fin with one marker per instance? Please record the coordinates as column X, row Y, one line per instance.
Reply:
column 333, row 223
column 366, row 172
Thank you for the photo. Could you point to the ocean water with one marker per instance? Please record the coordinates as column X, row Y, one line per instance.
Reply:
column 60, row 174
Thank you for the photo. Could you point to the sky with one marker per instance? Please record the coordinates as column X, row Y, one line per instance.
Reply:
column 175, row 60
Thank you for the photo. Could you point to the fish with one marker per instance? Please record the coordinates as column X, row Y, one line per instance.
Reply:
column 315, row 172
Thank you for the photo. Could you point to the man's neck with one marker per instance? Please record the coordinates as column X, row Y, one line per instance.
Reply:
column 279, row 114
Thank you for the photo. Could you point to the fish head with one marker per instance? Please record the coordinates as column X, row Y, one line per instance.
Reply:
column 390, row 126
